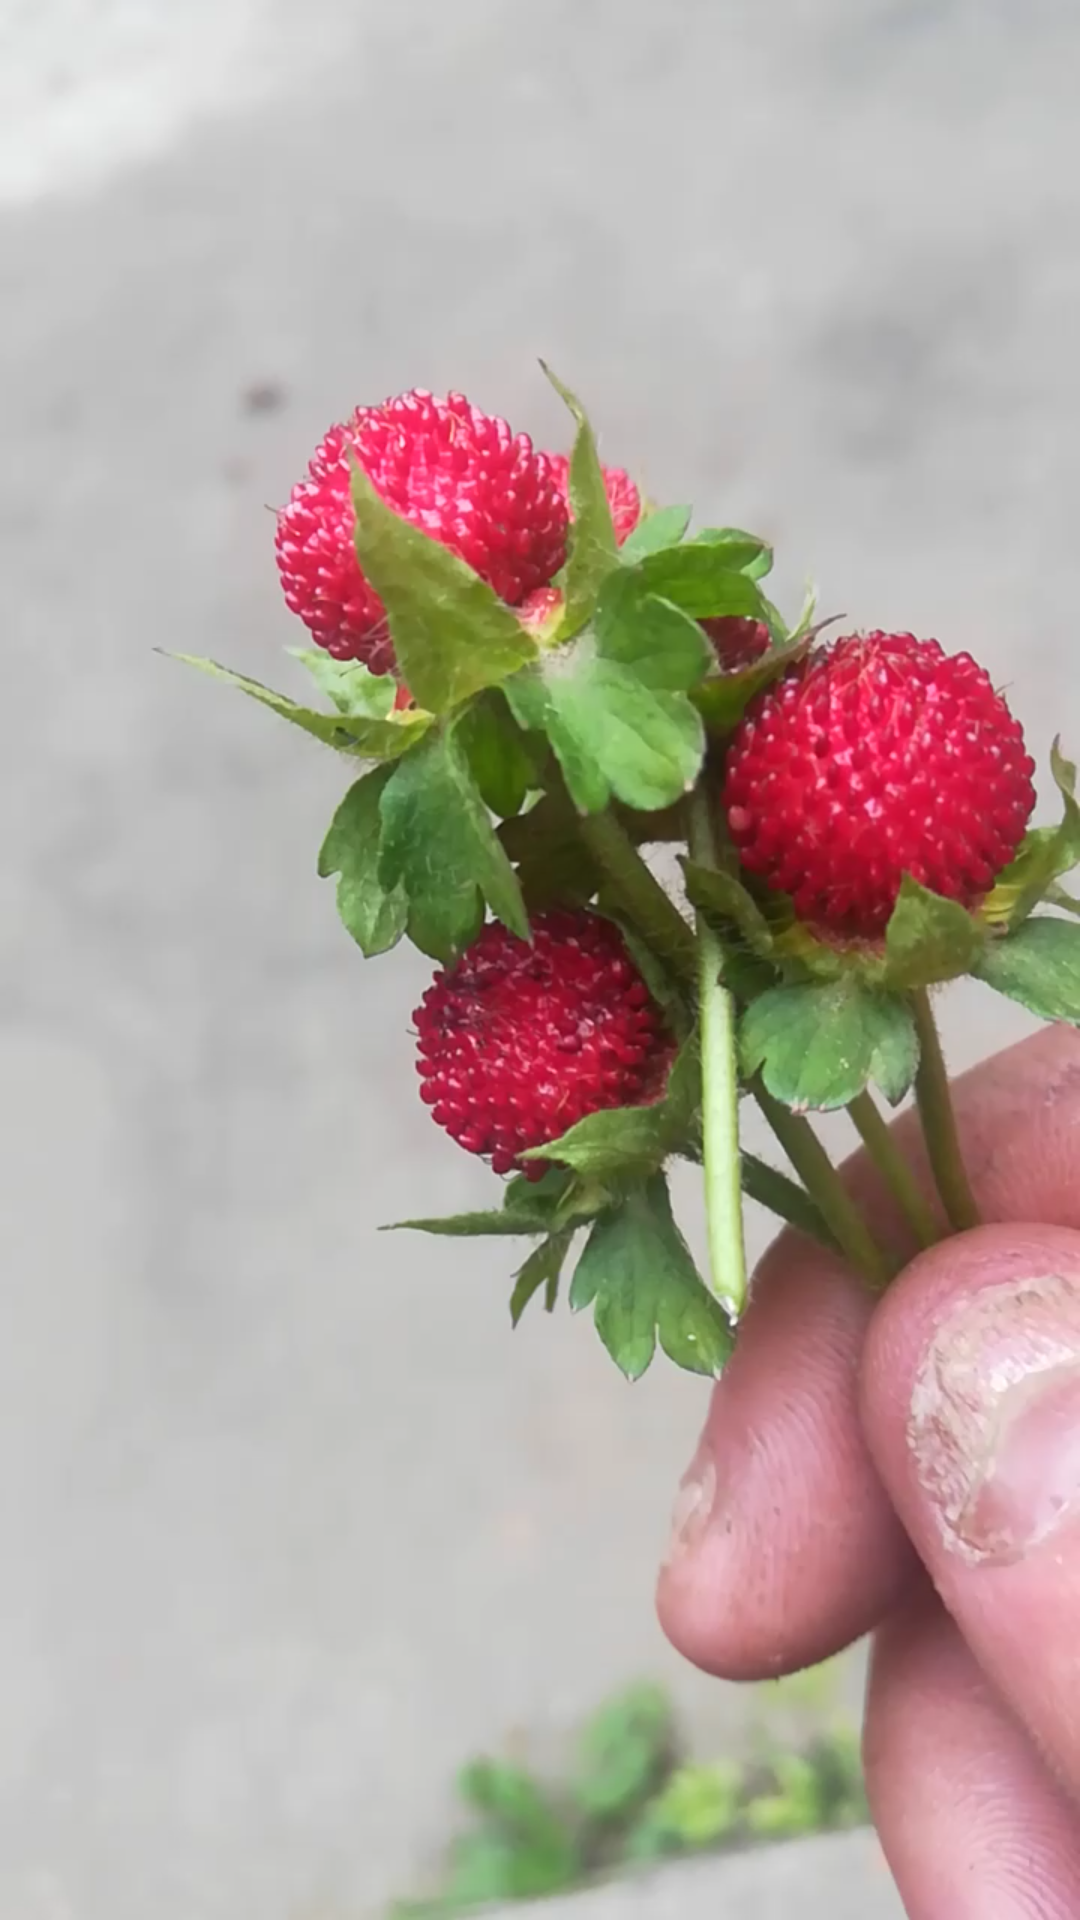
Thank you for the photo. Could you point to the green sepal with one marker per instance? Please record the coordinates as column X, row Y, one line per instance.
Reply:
column 744, row 552
column 1046, row 853
column 625, row 1142
column 357, row 733
column 349, row 685
column 929, row 939
column 438, row 843
column 504, row 768
column 819, row 1045
column 452, row 634
column 494, row 1223
column 704, row 579
column 658, row 528
column 543, row 1268
column 375, row 916
column 1038, row 965
column 593, row 551
column 637, row 1274
column 723, row 699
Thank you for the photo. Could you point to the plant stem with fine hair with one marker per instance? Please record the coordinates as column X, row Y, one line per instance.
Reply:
column 939, row 1121
column 719, row 1090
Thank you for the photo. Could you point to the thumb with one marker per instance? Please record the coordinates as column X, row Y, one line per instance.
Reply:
column 971, row 1407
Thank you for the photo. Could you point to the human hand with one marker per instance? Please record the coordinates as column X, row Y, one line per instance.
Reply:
column 913, row 1468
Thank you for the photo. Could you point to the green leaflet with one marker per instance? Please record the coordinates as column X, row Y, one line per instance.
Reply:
column 660, row 528
column 439, row 845
column 623, row 1141
column 1038, row 965
column 638, row 1276
column 543, row 1268
column 593, row 550
column 452, row 635
column 817, row 1046
column 929, row 939
column 371, row 739
column 348, row 684
column 374, row 915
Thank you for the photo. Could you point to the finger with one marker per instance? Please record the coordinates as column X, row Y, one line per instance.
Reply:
column 970, row 1819
column 971, row 1404
column 784, row 1546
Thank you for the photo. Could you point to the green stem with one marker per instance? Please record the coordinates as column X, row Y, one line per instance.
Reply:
column 640, row 894
column 784, row 1197
column 878, row 1140
column 939, row 1121
column 719, row 1091
column 823, row 1183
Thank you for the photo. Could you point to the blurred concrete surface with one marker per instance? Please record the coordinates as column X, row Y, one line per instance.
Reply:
column 842, row 1876
column 290, row 1522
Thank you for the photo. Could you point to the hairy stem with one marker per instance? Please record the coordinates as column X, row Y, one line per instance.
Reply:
column 784, row 1197
column 878, row 1140
column 640, row 894
column 939, row 1121
column 719, row 1091
column 823, row 1183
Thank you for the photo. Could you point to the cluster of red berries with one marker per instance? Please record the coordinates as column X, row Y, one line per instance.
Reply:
column 876, row 757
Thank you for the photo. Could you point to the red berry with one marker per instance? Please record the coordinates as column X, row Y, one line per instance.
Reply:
column 623, row 497
column 737, row 641
column 540, row 612
column 457, row 473
column 518, row 1042
column 880, row 756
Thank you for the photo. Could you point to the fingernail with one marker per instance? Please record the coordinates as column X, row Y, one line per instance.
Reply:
column 995, row 1418
column 693, row 1508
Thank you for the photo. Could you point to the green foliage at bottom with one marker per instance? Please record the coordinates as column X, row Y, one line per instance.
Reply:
column 631, row 1797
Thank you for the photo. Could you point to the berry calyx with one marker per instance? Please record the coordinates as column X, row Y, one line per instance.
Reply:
column 878, row 757
column 459, row 474
column 519, row 1042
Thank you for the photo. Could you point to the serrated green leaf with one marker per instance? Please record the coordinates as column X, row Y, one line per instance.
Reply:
column 818, row 1046
column 374, row 915
column 346, row 733
column 499, row 759
column 663, row 527
column 699, row 578
column 542, row 1269
column 1046, row 853
column 637, row 1274
column 615, row 736
column 1038, row 965
column 593, row 548
column 745, row 552
column 348, row 684
column 452, row 634
column 624, row 1141
column 663, row 646
column 929, row 939
column 439, row 844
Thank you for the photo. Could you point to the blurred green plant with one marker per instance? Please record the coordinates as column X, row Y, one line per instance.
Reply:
column 631, row 1796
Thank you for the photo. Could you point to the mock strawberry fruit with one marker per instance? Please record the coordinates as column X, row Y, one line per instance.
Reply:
column 517, row 1043
column 737, row 640
column 541, row 611
column 878, row 757
column 459, row 474
column 623, row 496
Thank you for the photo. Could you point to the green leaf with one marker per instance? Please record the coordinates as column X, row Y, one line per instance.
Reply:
column 498, row 756
column 452, row 634
column 593, row 548
column 553, row 864
column 818, row 1046
column 1039, row 965
column 524, row 1849
column 613, row 735
column 745, row 552
column 347, row 733
column 374, row 915
column 632, row 1140
column 623, row 1753
column 439, row 844
column 461, row 1226
column 929, row 939
column 542, row 1269
column 348, row 684
column 637, row 1274
column 700, row 1806
column 1046, row 853
column 663, row 527
column 666, row 649
column 700, row 578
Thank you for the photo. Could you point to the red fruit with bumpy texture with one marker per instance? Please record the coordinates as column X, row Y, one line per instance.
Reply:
column 879, row 757
column 517, row 1043
column 623, row 497
column 460, row 475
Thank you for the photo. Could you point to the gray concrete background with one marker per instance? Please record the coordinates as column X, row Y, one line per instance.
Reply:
column 291, row 1523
